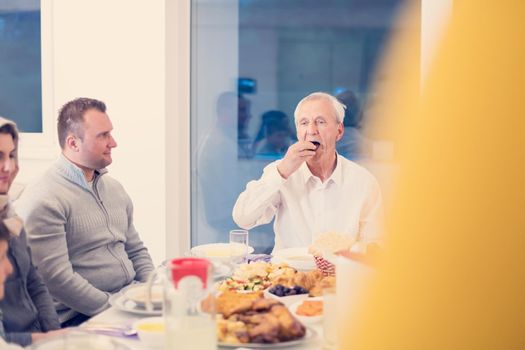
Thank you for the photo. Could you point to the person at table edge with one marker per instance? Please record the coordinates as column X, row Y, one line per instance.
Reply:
column 80, row 220
column 313, row 189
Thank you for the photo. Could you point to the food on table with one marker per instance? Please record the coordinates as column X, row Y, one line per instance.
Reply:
column 151, row 327
column 331, row 243
column 324, row 283
column 150, row 331
column 310, row 308
column 230, row 302
column 256, row 269
column 248, row 317
column 256, row 276
column 314, row 281
column 283, row 291
column 260, row 320
column 260, row 276
column 254, row 284
column 327, row 244
column 275, row 325
column 307, row 280
column 232, row 331
column 281, row 271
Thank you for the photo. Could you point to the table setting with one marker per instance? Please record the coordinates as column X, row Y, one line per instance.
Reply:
column 282, row 301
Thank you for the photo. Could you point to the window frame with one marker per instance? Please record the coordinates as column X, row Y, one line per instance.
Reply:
column 44, row 146
column 178, row 87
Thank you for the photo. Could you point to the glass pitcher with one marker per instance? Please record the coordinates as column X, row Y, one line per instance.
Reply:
column 188, row 306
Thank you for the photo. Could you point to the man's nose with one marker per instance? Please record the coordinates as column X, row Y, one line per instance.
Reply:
column 312, row 128
column 112, row 142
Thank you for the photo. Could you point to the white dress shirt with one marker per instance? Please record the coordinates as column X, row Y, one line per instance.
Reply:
column 349, row 202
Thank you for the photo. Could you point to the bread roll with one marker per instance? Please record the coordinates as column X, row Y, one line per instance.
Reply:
column 330, row 242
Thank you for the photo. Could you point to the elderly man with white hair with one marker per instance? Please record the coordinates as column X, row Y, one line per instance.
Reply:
column 313, row 189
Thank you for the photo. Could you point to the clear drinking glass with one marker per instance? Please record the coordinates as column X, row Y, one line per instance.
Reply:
column 239, row 243
column 329, row 318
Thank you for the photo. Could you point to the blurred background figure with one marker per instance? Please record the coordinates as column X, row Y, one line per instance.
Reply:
column 453, row 273
column 244, row 139
column 218, row 162
column 354, row 144
column 274, row 136
column 233, row 118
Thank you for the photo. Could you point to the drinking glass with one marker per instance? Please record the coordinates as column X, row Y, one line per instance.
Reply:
column 239, row 241
column 329, row 318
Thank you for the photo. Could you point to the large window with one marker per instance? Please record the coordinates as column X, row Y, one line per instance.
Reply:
column 252, row 61
column 20, row 64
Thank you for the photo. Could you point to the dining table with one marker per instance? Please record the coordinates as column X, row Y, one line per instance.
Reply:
column 119, row 318
column 122, row 317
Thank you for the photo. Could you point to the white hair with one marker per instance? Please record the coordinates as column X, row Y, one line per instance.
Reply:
column 338, row 107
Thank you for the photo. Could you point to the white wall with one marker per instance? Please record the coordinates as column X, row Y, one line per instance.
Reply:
column 115, row 51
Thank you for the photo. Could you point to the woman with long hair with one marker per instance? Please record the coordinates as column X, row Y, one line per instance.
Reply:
column 27, row 307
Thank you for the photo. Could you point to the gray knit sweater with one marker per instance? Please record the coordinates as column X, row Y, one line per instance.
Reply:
column 82, row 239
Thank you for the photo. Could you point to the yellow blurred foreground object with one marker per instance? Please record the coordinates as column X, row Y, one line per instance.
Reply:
column 453, row 275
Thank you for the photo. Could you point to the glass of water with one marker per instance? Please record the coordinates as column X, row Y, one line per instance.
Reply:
column 239, row 244
column 329, row 319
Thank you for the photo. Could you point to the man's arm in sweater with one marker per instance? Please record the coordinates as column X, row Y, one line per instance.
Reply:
column 136, row 250
column 45, row 225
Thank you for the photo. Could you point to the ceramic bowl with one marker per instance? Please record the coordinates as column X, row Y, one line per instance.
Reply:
column 151, row 331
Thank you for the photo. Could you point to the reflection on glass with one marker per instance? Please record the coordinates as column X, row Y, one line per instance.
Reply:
column 274, row 135
column 353, row 145
column 252, row 61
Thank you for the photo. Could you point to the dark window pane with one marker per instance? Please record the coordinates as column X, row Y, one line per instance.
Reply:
column 20, row 64
column 252, row 61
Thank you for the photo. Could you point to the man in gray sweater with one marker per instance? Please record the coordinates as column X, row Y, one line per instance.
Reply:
column 79, row 220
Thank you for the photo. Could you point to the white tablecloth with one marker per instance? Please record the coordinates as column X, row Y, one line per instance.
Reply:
column 117, row 317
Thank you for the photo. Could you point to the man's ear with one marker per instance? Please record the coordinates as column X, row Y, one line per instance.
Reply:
column 72, row 143
column 340, row 131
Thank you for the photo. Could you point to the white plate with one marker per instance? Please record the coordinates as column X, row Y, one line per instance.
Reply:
column 220, row 251
column 139, row 293
column 309, row 336
column 306, row 319
column 122, row 303
column 298, row 258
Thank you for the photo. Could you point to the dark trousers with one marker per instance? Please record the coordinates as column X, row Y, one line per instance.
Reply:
column 75, row 321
